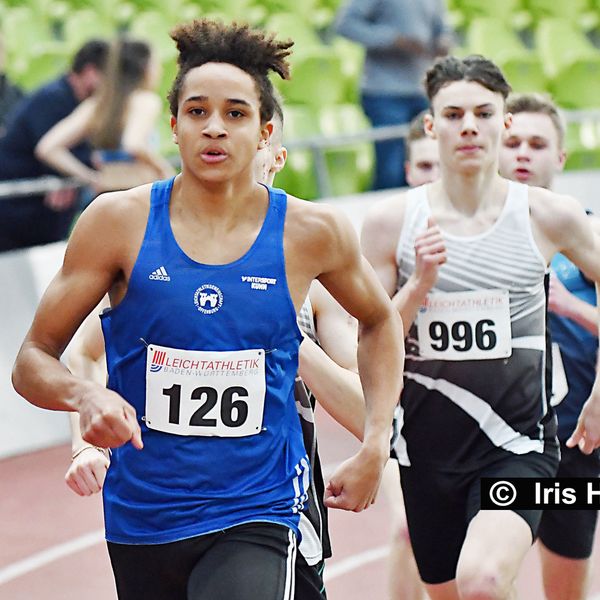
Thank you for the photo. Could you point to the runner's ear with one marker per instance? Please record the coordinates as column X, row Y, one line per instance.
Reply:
column 174, row 129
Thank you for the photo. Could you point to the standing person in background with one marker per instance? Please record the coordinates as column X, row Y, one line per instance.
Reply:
column 206, row 273
column 119, row 120
column 401, row 38
column 40, row 219
column 533, row 152
column 10, row 94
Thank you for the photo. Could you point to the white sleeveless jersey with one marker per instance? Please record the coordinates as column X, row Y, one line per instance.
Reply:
column 475, row 372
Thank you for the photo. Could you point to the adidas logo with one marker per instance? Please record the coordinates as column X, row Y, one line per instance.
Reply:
column 160, row 275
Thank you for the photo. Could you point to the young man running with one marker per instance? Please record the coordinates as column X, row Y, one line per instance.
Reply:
column 202, row 343
column 533, row 152
column 327, row 359
column 465, row 259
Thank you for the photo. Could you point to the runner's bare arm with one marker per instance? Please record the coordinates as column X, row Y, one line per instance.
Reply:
column 144, row 110
column 330, row 371
column 564, row 303
column 346, row 274
column 587, row 431
column 380, row 235
column 54, row 148
column 86, row 359
column 94, row 262
column 379, row 238
column 87, row 471
column 563, row 226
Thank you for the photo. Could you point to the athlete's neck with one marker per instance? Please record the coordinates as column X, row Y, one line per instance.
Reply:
column 223, row 201
column 467, row 192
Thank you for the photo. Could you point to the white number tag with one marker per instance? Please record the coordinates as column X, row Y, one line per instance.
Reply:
column 192, row 392
column 465, row 325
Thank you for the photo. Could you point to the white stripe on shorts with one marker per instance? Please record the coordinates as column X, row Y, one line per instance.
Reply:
column 290, row 568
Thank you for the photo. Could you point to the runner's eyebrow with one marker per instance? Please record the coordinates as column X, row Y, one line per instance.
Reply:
column 228, row 100
column 486, row 106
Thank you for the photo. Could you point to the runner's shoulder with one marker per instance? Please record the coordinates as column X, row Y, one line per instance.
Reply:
column 121, row 209
column 316, row 220
column 385, row 217
column 552, row 211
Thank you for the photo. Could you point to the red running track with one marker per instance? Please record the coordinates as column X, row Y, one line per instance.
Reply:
column 51, row 544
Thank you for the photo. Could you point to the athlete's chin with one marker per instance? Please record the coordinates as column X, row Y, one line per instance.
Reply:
column 214, row 176
column 470, row 166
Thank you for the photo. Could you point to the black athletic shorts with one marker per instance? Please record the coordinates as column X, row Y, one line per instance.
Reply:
column 570, row 533
column 440, row 505
column 246, row 562
column 309, row 580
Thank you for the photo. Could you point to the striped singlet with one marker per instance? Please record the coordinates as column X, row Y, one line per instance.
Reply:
column 475, row 387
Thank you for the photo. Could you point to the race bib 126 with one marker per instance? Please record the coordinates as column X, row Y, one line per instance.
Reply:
column 472, row 325
column 193, row 392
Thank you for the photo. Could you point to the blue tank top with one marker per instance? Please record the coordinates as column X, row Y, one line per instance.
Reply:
column 577, row 347
column 207, row 355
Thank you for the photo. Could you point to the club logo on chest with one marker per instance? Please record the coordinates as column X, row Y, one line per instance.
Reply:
column 208, row 299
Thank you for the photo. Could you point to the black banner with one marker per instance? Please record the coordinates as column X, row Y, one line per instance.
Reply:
column 531, row 493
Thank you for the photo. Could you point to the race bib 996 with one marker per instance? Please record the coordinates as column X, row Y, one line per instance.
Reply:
column 471, row 325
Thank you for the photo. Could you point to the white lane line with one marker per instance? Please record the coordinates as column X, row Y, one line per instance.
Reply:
column 36, row 561
column 41, row 559
column 341, row 567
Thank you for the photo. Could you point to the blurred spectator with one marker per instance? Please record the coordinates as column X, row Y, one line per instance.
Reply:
column 10, row 94
column 119, row 120
column 401, row 38
column 30, row 220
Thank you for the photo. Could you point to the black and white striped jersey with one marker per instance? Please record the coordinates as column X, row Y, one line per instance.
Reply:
column 315, row 544
column 475, row 385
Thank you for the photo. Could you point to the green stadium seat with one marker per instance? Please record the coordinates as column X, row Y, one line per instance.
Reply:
column 583, row 145
column 52, row 10
column 81, row 25
column 154, row 27
column 511, row 12
column 298, row 176
column 579, row 12
column 352, row 57
column 23, row 29
column 571, row 63
column 316, row 78
column 522, row 68
column 235, row 10
column 291, row 25
column 41, row 65
column 314, row 12
column 350, row 167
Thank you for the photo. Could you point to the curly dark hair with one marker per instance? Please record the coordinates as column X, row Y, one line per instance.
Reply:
column 472, row 68
column 253, row 51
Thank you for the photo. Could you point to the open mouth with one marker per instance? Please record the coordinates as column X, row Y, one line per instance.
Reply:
column 522, row 173
column 213, row 156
